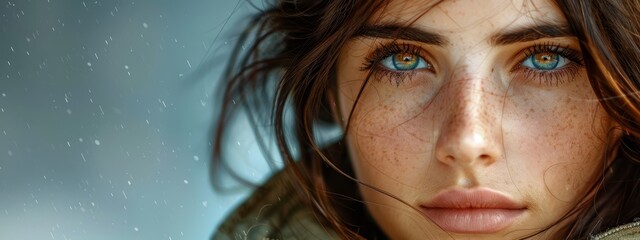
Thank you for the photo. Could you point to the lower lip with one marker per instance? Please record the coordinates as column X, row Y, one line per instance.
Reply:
column 477, row 220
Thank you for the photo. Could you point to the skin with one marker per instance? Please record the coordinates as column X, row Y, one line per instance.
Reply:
column 472, row 121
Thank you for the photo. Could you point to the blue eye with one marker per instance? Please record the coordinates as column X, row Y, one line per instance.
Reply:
column 545, row 61
column 404, row 62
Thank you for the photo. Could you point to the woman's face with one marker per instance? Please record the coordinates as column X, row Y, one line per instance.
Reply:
column 478, row 114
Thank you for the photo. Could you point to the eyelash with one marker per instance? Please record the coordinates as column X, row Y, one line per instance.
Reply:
column 372, row 62
column 545, row 77
column 550, row 77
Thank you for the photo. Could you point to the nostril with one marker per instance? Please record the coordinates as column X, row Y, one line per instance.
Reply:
column 486, row 159
column 449, row 159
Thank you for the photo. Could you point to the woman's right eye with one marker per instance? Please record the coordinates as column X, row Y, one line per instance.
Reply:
column 404, row 61
column 397, row 62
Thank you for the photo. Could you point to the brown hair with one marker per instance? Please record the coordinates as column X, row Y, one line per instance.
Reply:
column 295, row 45
column 609, row 34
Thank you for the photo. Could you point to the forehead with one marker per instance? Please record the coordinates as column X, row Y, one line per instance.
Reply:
column 469, row 16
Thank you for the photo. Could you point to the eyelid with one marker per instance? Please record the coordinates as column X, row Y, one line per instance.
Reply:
column 373, row 61
column 387, row 49
column 548, row 77
column 563, row 50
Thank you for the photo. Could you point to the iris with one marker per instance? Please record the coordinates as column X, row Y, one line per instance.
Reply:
column 545, row 61
column 404, row 62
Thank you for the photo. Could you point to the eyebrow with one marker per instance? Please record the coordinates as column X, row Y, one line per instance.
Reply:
column 525, row 34
column 391, row 31
column 531, row 33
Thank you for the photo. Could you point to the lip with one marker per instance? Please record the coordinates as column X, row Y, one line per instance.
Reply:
column 477, row 210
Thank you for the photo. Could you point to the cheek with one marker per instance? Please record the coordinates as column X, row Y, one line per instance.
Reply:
column 389, row 131
column 565, row 181
column 388, row 137
column 561, row 149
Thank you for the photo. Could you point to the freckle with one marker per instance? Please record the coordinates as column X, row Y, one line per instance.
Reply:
column 395, row 158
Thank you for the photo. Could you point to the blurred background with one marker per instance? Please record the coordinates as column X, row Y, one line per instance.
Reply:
column 104, row 126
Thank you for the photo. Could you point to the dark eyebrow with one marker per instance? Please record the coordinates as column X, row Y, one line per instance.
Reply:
column 531, row 33
column 391, row 31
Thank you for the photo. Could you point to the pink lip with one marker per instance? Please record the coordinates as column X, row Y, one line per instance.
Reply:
column 472, row 211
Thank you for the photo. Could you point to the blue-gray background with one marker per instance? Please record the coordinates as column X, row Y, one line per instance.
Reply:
column 104, row 132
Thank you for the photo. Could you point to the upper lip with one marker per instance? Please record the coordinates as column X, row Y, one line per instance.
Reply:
column 472, row 198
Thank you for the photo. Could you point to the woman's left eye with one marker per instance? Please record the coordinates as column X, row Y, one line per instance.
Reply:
column 404, row 61
column 545, row 61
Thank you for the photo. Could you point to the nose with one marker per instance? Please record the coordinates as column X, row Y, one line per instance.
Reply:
column 471, row 131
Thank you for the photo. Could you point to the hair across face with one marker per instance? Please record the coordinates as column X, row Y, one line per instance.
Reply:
column 466, row 103
column 511, row 107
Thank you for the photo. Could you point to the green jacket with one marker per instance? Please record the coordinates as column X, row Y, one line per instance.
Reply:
column 625, row 232
column 275, row 211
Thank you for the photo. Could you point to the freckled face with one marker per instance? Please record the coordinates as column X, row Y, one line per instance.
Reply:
column 473, row 110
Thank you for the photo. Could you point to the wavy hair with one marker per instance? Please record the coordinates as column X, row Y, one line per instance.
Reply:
column 293, row 49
